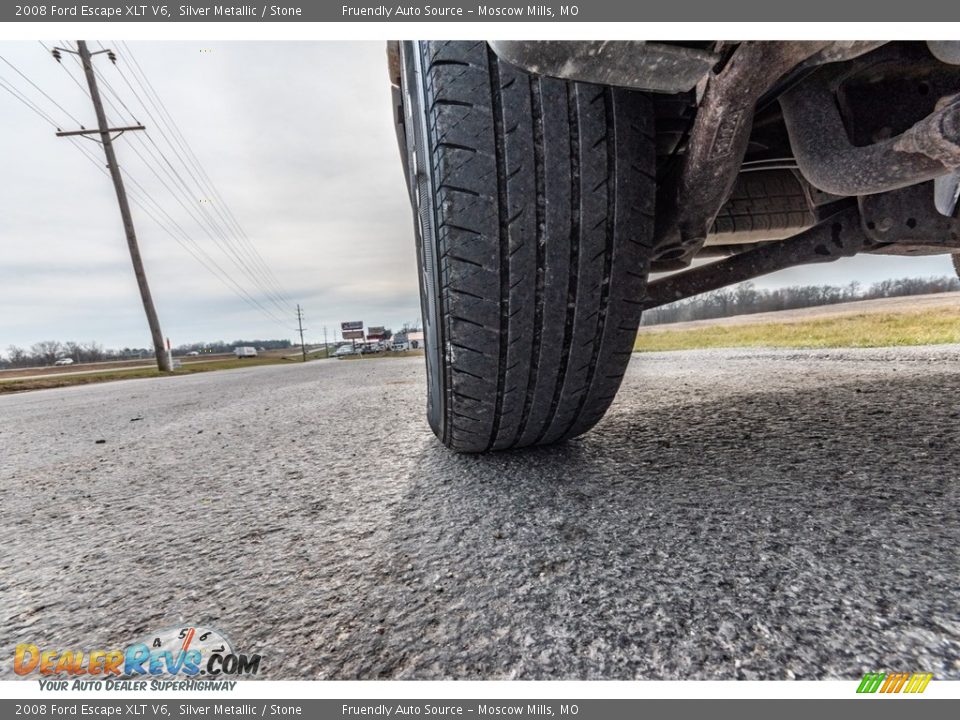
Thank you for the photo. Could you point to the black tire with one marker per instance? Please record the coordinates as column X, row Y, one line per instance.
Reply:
column 533, row 202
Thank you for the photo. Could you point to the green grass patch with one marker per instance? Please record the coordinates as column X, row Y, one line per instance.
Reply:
column 936, row 326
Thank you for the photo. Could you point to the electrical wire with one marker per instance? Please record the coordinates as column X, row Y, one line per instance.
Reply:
column 188, row 243
column 187, row 151
column 84, row 90
column 245, row 263
column 10, row 88
column 191, row 246
column 257, row 276
column 40, row 90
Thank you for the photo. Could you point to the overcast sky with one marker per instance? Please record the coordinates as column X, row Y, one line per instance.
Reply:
column 297, row 137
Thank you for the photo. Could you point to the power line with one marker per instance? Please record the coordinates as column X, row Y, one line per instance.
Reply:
column 189, row 153
column 243, row 294
column 229, row 248
column 199, row 247
column 11, row 88
column 211, row 229
column 76, row 82
column 41, row 91
column 244, row 263
column 196, row 251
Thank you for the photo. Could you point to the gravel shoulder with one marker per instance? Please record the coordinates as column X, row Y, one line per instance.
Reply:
column 738, row 514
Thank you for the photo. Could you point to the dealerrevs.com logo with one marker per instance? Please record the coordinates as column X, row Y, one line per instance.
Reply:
column 185, row 653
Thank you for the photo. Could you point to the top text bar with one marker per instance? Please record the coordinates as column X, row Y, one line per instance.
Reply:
column 472, row 11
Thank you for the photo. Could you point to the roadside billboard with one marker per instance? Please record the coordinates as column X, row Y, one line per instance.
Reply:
column 352, row 330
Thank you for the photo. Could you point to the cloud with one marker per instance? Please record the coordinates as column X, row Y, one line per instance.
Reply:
column 299, row 141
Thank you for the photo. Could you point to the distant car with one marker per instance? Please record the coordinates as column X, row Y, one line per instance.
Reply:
column 345, row 350
column 245, row 351
column 192, row 353
column 64, row 361
column 400, row 347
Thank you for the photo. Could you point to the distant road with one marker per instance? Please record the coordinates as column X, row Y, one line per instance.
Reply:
column 883, row 305
column 84, row 368
column 34, row 373
column 738, row 514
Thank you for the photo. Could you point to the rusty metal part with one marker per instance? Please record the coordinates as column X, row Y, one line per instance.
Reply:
column 723, row 251
column 393, row 62
column 908, row 217
column 937, row 136
column 634, row 64
column 829, row 161
column 840, row 235
column 947, row 51
column 691, row 199
column 842, row 50
column 835, row 52
column 946, row 194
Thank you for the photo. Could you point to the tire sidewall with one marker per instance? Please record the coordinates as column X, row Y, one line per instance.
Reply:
column 422, row 196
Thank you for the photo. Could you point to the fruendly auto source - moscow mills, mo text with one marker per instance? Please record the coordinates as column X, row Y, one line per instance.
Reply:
column 481, row 11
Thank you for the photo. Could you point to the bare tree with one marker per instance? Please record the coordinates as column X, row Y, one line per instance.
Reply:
column 745, row 298
column 73, row 349
column 17, row 356
column 46, row 352
column 92, row 352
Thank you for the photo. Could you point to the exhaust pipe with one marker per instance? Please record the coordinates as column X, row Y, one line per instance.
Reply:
column 829, row 162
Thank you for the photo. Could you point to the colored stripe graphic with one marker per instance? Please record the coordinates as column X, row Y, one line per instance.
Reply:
column 894, row 683
column 918, row 682
column 870, row 683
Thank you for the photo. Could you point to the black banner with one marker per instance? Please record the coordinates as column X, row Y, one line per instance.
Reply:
column 232, row 708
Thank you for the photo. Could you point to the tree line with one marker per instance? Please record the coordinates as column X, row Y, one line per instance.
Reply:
column 739, row 299
column 47, row 352
column 223, row 347
column 746, row 298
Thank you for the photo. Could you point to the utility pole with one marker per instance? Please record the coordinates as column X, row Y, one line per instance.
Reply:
column 104, row 130
column 303, row 347
column 326, row 348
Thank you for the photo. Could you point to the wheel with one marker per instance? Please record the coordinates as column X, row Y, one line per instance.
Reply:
column 533, row 202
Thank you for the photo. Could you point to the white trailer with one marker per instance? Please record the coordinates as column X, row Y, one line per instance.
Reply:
column 245, row 351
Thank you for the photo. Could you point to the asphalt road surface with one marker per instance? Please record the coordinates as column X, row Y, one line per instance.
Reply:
column 738, row 514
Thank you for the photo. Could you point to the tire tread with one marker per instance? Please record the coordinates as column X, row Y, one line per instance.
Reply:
column 543, row 198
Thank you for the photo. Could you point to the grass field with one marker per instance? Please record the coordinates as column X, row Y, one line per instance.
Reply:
column 934, row 326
